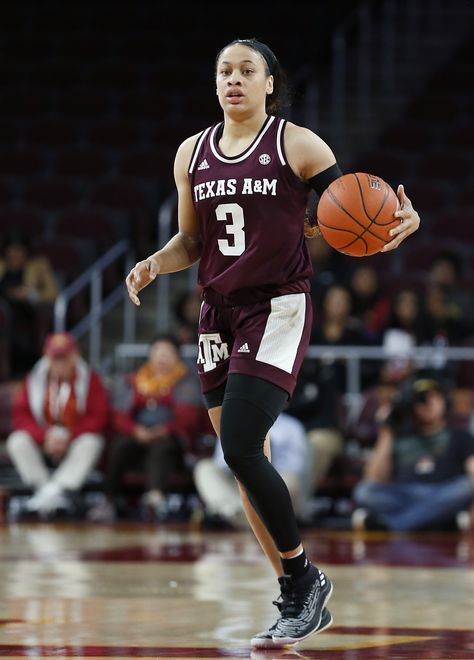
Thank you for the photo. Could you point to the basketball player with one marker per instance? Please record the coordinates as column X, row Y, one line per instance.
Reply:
column 243, row 187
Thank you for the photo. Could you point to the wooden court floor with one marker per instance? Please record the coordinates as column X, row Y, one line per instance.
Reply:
column 135, row 591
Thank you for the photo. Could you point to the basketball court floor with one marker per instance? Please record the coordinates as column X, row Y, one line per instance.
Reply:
column 135, row 591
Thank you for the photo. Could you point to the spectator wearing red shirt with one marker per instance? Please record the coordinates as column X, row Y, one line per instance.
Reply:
column 157, row 426
column 60, row 417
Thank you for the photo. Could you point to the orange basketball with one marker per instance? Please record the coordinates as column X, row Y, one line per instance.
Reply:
column 356, row 212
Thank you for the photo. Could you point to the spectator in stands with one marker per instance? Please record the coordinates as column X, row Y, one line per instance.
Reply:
column 406, row 327
column 317, row 401
column 28, row 287
column 450, row 305
column 421, row 472
column 317, row 404
column 370, row 304
column 336, row 326
column 218, row 488
column 5, row 338
column 158, row 421
column 186, row 312
column 60, row 419
column 329, row 267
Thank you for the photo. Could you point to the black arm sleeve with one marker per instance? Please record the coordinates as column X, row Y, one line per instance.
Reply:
column 321, row 181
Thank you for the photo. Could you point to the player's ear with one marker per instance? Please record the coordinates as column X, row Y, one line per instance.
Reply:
column 269, row 89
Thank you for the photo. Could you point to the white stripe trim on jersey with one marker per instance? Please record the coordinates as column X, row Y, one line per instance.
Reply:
column 246, row 153
column 279, row 142
column 200, row 311
column 283, row 331
column 197, row 148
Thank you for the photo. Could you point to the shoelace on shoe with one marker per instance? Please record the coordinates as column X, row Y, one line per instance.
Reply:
column 280, row 601
column 292, row 600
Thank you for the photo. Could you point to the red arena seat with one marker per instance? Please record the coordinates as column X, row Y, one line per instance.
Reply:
column 31, row 102
column 119, row 194
column 113, row 75
column 433, row 107
column 116, row 133
column 53, row 132
column 456, row 225
column 9, row 132
column 427, row 195
column 462, row 136
column 144, row 105
column 56, row 74
column 417, row 255
column 21, row 162
column 83, row 102
column 443, row 163
column 87, row 223
column 383, row 162
column 151, row 163
column 51, row 193
column 82, row 162
column 406, row 136
column 64, row 255
column 6, row 192
column 23, row 218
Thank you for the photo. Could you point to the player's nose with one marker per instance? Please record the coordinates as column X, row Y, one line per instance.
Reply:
column 234, row 78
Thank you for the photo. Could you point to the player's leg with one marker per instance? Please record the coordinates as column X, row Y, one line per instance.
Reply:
column 270, row 341
column 213, row 366
column 265, row 638
column 263, row 537
column 254, row 353
column 249, row 409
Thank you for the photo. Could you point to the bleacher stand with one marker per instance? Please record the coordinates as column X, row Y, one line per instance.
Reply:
column 90, row 121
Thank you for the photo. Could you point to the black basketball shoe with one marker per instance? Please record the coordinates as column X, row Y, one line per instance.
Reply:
column 268, row 638
column 302, row 605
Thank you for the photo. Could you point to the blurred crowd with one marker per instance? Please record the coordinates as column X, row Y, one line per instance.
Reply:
column 28, row 289
column 403, row 457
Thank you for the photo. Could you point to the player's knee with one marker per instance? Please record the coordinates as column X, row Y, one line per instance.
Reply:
column 241, row 455
column 242, row 444
column 249, row 409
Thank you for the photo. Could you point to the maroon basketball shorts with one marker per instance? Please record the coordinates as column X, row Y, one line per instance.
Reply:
column 267, row 339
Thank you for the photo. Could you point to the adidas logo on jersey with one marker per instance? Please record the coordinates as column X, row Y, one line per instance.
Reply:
column 204, row 165
column 244, row 348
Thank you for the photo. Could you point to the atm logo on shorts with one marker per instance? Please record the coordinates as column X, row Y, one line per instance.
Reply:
column 212, row 350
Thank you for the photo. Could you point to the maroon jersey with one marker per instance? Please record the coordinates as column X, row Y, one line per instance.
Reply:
column 251, row 210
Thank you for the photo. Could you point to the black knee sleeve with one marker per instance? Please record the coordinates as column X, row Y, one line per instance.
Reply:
column 249, row 409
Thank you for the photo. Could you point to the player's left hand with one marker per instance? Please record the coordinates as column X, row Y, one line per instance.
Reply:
column 409, row 221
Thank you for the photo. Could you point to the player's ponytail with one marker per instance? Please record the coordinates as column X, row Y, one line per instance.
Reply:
column 311, row 227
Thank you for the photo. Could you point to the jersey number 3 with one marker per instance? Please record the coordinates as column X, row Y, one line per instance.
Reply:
column 234, row 228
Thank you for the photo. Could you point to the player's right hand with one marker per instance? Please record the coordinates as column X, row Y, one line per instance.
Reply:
column 139, row 277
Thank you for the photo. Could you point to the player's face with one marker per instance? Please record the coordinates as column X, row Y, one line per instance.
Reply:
column 242, row 81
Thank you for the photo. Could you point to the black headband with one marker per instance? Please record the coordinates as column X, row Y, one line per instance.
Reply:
column 261, row 48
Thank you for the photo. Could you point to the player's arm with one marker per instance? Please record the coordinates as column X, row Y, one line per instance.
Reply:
column 313, row 161
column 184, row 248
column 310, row 157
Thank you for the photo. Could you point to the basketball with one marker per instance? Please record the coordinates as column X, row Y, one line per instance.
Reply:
column 356, row 212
